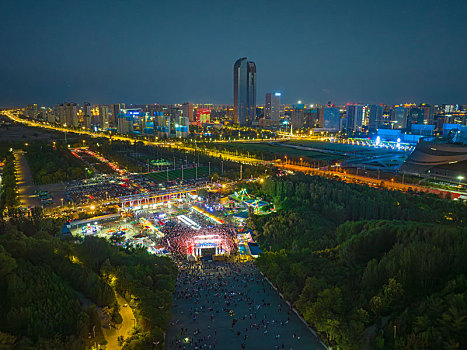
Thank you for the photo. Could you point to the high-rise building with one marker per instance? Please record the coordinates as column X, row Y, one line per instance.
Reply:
column 354, row 117
column 104, row 114
column 329, row 118
column 203, row 116
column 399, row 117
column 125, row 119
column 415, row 116
column 428, row 115
column 272, row 107
column 68, row 114
column 86, row 108
column 181, row 126
column 87, row 121
column 115, row 109
column 375, row 118
column 244, row 91
column 304, row 117
column 187, row 109
column 162, row 125
column 31, row 110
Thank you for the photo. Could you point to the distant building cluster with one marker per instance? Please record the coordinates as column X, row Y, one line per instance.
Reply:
column 407, row 122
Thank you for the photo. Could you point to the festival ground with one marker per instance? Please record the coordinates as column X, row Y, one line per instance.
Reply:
column 231, row 306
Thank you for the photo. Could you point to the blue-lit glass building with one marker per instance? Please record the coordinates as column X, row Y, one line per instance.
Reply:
column 244, row 91
column 331, row 119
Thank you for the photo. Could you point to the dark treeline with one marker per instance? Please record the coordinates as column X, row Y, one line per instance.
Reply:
column 8, row 197
column 145, row 281
column 368, row 268
column 38, row 286
column 45, row 283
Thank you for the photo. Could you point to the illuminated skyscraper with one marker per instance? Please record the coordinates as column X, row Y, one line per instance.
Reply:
column 375, row 119
column 272, row 108
column 68, row 114
column 244, row 91
column 354, row 117
column 115, row 109
column 187, row 109
column 399, row 117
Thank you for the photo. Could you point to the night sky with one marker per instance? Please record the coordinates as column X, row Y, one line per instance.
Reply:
column 175, row 51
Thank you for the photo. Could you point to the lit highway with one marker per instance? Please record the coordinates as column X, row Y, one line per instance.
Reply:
column 393, row 185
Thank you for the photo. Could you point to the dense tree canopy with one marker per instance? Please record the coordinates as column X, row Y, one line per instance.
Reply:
column 368, row 268
column 44, row 282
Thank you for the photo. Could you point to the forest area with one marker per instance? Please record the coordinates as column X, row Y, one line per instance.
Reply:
column 43, row 280
column 53, row 163
column 8, row 198
column 367, row 268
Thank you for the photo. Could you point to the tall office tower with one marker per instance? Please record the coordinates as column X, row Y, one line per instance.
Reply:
column 329, row 118
column 399, row 117
column 187, row 109
column 375, row 119
column 115, row 109
column 68, row 114
column 354, row 118
column 272, row 107
column 244, row 91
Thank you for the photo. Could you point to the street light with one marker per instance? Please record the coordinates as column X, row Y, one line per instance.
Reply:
column 460, row 178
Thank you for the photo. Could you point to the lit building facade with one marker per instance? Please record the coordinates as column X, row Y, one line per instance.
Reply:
column 68, row 114
column 244, row 91
column 354, row 118
column 375, row 118
column 272, row 107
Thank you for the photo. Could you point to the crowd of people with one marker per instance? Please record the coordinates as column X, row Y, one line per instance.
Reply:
column 181, row 237
column 231, row 306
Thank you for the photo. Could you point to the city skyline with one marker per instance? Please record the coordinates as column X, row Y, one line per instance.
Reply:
column 183, row 51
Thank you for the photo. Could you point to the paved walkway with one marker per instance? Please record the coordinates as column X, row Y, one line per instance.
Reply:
column 25, row 182
column 231, row 306
column 123, row 329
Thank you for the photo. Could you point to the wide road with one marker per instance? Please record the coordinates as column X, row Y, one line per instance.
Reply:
column 392, row 185
column 231, row 306
column 251, row 160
